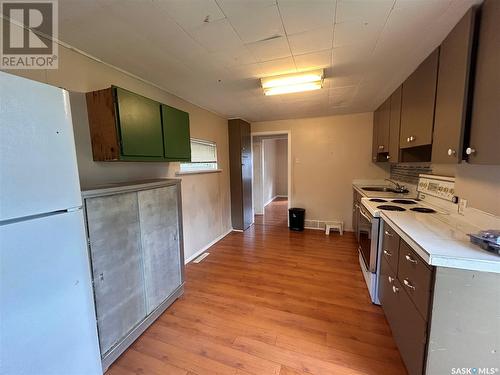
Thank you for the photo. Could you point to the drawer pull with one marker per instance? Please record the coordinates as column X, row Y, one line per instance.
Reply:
column 410, row 259
column 391, row 279
column 387, row 253
column 408, row 284
column 388, row 234
column 395, row 289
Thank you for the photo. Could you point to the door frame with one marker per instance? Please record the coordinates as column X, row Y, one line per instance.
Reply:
column 288, row 133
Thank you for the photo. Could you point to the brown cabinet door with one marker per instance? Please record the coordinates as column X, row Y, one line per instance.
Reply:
column 383, row 130
column 485, row 121
column 417, row 104
column 453, row 91
column 376, row 121
column 394, row 125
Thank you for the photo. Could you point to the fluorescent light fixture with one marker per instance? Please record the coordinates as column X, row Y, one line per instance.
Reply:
column 295, row 82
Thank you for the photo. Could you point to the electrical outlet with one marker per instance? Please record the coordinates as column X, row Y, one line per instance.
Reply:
column 462, row 204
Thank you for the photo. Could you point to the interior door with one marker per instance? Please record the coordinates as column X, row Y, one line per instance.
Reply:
column 176, row 136
column 139, row 121
column 158, row 212
column 115, row 247
column 47, row 323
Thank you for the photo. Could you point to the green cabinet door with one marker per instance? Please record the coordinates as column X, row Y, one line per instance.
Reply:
column 139, row 125
column 176, row 133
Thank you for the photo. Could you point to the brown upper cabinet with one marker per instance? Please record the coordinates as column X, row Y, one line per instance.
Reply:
column 417, row 104
column 394, row 125
column 482, row 147
column 380, row 146
column 452, row 96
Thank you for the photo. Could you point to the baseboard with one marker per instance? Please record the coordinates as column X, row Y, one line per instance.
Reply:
column 205, row 248
column 282, row 196
column 270, row 200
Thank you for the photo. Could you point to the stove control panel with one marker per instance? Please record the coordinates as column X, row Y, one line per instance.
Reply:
column 437, row 186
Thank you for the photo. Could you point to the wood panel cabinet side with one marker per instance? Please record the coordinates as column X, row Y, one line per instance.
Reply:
column 102, row 125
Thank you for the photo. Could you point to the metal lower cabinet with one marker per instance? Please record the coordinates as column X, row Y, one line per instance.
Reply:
column 160, row 245
column 115, row 250
column 135, row 245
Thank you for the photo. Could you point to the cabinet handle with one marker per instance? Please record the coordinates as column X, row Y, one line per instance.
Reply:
column 408, row 284
column 451, row 152
column 391, row 279
column 101, row 276
column 380, row 147
column 408, row 139
column 395, row 289
column 412, row 138
column 387, row 253
column 410, row 259
column 470, row 151
column 388, row 157
column 388, row 233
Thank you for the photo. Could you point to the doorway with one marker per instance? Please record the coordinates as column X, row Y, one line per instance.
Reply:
column 270, row 178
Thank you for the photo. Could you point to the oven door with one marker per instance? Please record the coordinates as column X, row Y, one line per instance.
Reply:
column 368, row 239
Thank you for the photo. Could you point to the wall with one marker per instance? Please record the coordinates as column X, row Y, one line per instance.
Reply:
column 205, row 197
column 478, row 184
column 282, row 167
column 327, row 154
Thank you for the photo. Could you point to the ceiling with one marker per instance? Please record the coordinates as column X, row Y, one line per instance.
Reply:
column 213, row 52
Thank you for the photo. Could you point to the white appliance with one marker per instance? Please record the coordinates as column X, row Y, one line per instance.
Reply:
column 435, row 196
column 47, row 315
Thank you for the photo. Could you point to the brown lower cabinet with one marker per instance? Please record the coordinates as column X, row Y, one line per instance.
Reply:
column 404, row 291
column 435, row 313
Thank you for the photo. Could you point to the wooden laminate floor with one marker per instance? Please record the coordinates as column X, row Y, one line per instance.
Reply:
column 270, row 301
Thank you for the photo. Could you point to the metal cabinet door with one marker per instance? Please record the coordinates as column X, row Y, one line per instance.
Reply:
column 176, row 138
column 115, row 248
column 158, row 211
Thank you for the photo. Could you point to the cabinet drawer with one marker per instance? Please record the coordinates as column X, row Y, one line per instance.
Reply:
column 415, row 277
column 408, row 328
column 390, row 247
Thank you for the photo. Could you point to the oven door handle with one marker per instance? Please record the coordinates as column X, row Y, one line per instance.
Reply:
column 365, row 216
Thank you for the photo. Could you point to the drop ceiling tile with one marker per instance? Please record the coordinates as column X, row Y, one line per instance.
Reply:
column 216, row 36
column 189, row 14
column 270, row 49
column 315, row 60
column 299, row 16
column 351, row 59
column 356, row 32
column 233, row 57
column 346, row 80
column 278, row 66
column 260, row 23
column 311, row 41
column 249, row 71
column 364, row 10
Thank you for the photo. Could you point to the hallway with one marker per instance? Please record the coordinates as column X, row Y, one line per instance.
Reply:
column 275, row 213
column 270, row 301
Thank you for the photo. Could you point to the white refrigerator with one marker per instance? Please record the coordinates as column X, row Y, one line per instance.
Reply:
column 47, row 315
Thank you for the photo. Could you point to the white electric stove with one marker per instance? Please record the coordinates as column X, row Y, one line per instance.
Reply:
column 435, row 196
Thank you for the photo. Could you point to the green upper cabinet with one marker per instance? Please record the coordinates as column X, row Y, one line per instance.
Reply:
column 125, row 126
column 176, row 140
column 139, row 123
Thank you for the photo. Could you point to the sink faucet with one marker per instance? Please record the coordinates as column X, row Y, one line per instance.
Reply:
column 399, row 188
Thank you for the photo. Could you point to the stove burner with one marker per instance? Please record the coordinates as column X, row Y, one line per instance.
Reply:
column 378, row 200
column 403, row 201
column 388, row 207
column 423, row 210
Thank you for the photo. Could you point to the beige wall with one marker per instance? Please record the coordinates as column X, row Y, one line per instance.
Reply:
column 282, row 167
column 478, row 184
column 206, row 199
column 327, row 153
column 269, row 165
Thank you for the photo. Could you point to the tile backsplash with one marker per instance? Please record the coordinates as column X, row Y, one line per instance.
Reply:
column 409, row 173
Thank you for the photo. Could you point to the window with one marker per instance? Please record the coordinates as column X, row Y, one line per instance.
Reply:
column 203, row 157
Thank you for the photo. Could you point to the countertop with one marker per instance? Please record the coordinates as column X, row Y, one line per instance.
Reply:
column 103, row 189
column 359, row 184
column 442, row 241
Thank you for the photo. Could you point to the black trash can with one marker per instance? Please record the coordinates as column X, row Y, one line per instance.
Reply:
column 296, row 218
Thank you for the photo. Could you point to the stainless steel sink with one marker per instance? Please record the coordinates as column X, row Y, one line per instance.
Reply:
column 379, row 188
